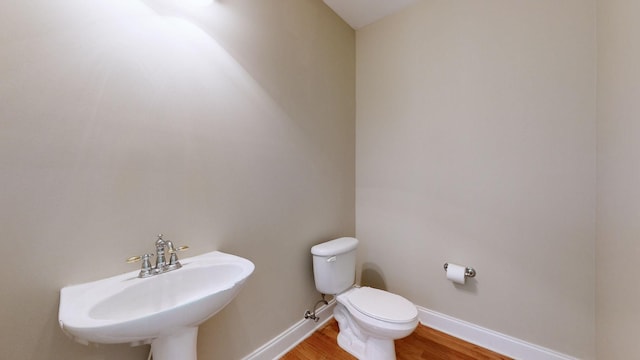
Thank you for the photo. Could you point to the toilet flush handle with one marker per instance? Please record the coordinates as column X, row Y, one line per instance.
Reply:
column 332, row 259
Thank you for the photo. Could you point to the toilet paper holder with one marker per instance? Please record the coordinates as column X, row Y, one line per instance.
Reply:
column 468, row 272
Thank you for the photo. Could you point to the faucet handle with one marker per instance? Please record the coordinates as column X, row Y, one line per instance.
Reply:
column 146, row 268
column 138, row 258
column 179, row 248
column 173, row 259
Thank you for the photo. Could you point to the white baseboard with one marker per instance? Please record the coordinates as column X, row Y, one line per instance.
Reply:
column 283, row 343
column 488, row 339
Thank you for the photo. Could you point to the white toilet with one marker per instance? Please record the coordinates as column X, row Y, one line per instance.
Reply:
column 369, row 319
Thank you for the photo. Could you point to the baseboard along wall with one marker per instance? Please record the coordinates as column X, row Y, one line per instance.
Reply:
column 290, row 338
column 489, row 339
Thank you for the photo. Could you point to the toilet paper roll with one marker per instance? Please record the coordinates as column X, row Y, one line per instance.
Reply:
column 456, row 272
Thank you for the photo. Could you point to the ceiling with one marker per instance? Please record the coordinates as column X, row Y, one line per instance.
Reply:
column 359, row 13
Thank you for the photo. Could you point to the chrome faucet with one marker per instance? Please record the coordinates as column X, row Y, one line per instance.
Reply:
column 161, row 263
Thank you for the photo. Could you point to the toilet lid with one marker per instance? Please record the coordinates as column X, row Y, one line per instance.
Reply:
column 383, row 305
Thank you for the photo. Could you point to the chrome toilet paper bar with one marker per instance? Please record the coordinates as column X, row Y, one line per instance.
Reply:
column 469, row 271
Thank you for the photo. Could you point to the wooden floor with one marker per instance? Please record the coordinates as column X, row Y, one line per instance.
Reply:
column 424, row 343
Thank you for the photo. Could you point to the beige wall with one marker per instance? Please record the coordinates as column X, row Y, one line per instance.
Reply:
column 618, row 246
column 229, row 127
column 476, row 144
column 476, row 140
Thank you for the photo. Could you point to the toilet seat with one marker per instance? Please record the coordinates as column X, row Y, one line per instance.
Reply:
column 382, row 305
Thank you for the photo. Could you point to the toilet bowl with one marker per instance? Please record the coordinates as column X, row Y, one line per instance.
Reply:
column 369, row 319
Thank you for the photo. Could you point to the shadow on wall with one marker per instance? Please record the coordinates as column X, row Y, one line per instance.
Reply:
column 470, row 286
column 372, row 276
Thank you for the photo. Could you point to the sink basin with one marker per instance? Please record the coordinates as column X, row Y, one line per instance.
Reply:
column 164, row 310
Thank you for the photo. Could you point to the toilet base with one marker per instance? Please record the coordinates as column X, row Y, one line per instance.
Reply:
column 375, row 349
column 363, row 346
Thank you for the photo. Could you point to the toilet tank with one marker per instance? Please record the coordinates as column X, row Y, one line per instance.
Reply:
column 334, row 265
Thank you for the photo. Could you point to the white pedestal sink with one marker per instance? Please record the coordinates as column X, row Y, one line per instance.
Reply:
column 164, row 310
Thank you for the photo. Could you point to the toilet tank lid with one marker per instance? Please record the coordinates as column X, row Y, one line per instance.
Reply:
column 335, row 247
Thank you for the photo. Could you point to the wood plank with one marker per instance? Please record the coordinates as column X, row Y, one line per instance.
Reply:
column 424, row 343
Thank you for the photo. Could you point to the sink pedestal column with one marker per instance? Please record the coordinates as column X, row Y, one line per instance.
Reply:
column 180, row 345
